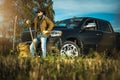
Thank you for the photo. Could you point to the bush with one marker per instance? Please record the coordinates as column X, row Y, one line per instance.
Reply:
column 5, row 46
column 58, row 68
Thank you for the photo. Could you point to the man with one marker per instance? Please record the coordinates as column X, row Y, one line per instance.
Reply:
column 42, row 26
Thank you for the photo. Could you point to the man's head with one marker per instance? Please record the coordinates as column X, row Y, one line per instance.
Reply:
column 40, row 12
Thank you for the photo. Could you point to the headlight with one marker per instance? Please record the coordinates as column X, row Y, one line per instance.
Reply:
column 55, row 33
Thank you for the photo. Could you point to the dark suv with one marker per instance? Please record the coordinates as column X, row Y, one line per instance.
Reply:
column 78, row 35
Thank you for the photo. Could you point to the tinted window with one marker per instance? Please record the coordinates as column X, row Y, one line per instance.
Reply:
column 73, row 24
column 103, row 26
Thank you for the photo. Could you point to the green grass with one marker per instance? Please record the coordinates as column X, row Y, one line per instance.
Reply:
column 59, row 68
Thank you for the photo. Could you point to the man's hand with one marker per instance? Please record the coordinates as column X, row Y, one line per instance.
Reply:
column 45, row 32
column 28, row 21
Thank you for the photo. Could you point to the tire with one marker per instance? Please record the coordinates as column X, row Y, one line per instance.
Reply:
column 70, row 49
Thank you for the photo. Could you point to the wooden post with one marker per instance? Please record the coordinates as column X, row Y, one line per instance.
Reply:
column 31, row 33
column 32, row 38
column 14, row 32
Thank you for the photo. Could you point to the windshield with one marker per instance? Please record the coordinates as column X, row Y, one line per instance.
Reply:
column 68, row 23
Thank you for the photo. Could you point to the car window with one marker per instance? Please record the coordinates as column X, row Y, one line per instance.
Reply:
column 103, row 26
column 73, row 24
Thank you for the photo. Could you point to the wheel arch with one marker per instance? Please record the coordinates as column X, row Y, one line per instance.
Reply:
column 77, row 41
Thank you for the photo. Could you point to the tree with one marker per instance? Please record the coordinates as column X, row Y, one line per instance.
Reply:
column 25, row 9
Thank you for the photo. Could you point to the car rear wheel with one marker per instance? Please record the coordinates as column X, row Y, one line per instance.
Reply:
column 70, row 49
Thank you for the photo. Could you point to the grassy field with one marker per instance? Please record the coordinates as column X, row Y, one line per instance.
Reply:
column 59, row 68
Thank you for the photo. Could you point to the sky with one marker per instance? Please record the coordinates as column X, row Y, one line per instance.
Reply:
column 103, row 9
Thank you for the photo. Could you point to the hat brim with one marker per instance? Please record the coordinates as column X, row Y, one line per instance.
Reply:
column 39, row 10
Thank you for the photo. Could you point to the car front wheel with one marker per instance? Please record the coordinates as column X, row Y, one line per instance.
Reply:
column 70, row 49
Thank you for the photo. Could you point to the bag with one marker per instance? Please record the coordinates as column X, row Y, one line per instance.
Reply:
column 23, row 49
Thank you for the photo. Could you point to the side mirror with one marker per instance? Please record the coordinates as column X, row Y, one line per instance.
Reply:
column 90, row 25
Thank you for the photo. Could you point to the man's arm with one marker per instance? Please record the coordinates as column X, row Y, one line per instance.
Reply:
column 50, row 24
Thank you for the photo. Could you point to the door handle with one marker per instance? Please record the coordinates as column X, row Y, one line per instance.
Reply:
column 112, row 36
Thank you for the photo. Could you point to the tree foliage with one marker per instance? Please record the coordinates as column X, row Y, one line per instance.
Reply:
column 23, row 9
column 26, row 8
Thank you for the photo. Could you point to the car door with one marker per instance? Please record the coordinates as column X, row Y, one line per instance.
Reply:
column 90, row 36
column 108, row 38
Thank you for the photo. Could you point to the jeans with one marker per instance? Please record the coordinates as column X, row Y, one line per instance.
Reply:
column 35, row 42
